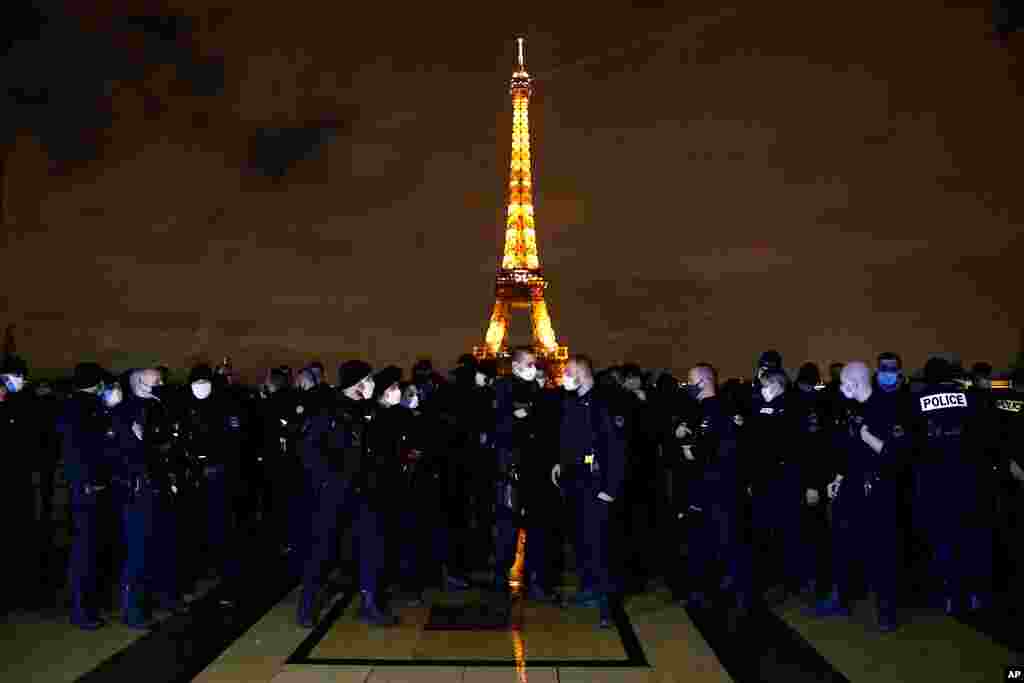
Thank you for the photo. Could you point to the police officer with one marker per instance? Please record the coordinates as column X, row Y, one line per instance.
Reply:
column 681, row 418
column 211, row 428
column 865, row 494
column 482, row 466
column 518, row 426
column 1008, row 409
column 816, row 456
column 954, row 487
column 590, row 472
column 278, row 424
column 336, row 449
column 774, row 474
column 153, row 425
column 16, row 432
column 715, row 549
column 134, row 496
column 83, row 448
column 641, row 478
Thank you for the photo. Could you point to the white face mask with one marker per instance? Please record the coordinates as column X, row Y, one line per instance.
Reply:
column 569, row 383
column 392, row 396
column 767, row 394
column 201, row 389
column 528, row 374
column 481, row 379
column 414, row 403
column 368, row 389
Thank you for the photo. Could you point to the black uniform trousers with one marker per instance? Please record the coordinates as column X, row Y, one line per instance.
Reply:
column 592, row 525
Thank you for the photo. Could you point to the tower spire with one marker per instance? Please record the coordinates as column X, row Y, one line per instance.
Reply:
column 520, row 235
column 522, row 54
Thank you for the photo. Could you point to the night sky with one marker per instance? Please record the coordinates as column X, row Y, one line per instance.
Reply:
column 311, row 181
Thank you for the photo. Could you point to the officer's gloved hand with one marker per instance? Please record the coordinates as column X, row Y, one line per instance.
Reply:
column 833, row 489
column 519, row 412
column 137, row 430
column 812, row 496
column 556, row 474
column 683, row 431
column 688, row 452
column 605, row 497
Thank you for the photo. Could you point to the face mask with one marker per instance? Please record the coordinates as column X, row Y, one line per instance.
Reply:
column 14, row 383
column 541, row 380
column 481, row 379
column 528, row 374
column 368, row 390
column 693, row 391
column 569, row 383
column 412, row 403
column 888, row 379
column 111, row 397
column 392, row 396
column 767, row 394
column 201, row 389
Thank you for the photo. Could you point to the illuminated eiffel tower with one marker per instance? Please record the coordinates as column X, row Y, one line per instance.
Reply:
column 520, row 283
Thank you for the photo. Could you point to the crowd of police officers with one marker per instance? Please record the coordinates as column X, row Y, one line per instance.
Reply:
column 738, row 494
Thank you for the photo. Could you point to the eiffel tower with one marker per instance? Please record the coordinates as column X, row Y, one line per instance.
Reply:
column 520, row 284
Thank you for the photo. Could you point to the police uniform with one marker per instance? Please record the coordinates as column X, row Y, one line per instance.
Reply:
column 592, row 456
column 1008, row 413
column 953, row 495
column 516, row 445
column 865, row 511
column 18, row 505
column 165, row 569
column 82, row 430
column 335, row 447
column 714, row 505
column 211, row 432
column 771, row 465
column 812, row 410
column 135, row 493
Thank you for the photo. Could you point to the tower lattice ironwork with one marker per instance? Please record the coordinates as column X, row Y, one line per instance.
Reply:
column 520, row 283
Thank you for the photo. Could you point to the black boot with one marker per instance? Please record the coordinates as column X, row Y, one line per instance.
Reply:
column 82, row 616
column 372, row 615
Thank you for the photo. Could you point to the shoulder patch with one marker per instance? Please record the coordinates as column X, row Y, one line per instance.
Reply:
column 940, row 401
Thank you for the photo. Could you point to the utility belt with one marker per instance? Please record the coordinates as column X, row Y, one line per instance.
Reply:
column 137, row 485
column 585, row 466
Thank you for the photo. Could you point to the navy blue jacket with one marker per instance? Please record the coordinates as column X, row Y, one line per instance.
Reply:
column 886, row 418
column 587, row 426
column 83, row 430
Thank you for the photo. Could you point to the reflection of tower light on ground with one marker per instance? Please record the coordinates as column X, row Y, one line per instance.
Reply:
column 519, row 652
column 515, row 574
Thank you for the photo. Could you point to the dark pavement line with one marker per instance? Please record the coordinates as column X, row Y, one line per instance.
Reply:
column 760, row 646
column 180, row 647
